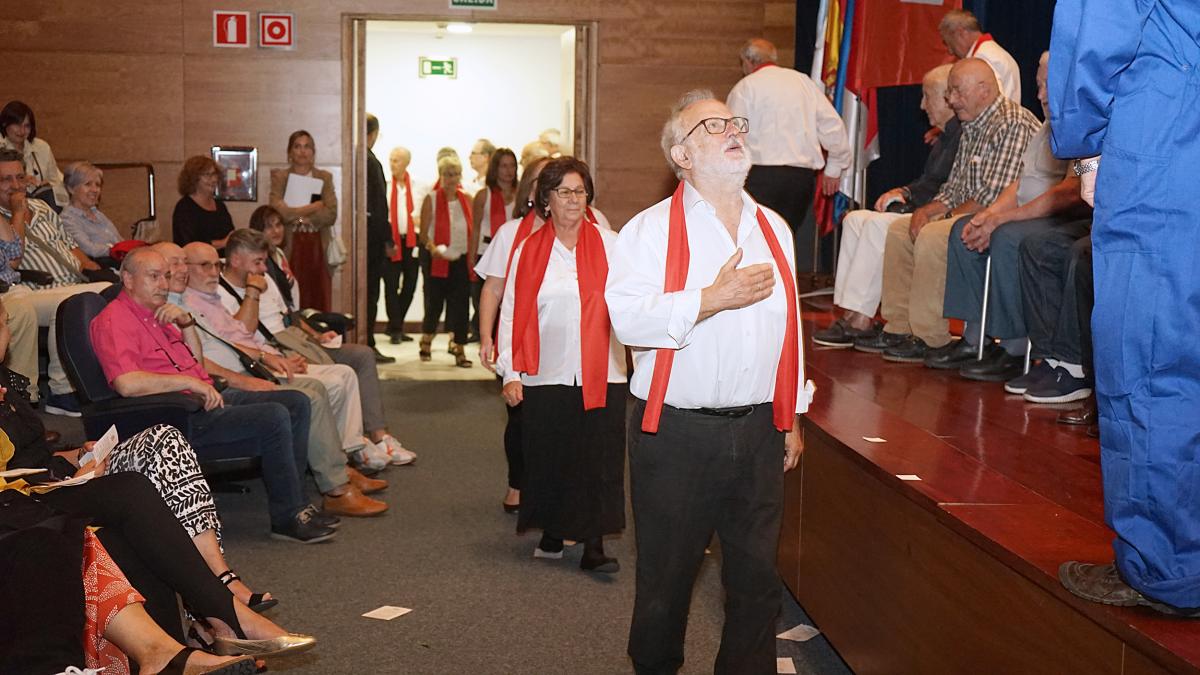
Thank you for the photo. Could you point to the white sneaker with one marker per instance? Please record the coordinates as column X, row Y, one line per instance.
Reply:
column 396, row 452
column 372, row 456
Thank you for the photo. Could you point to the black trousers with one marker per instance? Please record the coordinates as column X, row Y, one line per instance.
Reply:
column 697, row 475
column 42, row 618
column 150, row 547
column 1056, row 292
column 512, row 444
column 451, row 293
column 787, row 190
column 396, row 296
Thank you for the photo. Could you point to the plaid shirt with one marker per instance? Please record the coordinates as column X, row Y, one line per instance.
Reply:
column 989, row 154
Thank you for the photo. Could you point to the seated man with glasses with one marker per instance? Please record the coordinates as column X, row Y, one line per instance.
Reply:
column 147, row 346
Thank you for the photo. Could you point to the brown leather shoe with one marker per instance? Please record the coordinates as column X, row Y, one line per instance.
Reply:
column 365, row 485
column 353, row 504
column 1085, row 415
column 1103, row 584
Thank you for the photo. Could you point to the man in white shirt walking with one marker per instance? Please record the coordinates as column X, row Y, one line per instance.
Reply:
column 965, row 39
column 718, row 374
column 792, row 125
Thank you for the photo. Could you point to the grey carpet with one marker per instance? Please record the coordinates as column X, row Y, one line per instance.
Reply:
column 447, row 550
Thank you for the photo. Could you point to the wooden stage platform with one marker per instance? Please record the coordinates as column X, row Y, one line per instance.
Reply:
column 955, row 572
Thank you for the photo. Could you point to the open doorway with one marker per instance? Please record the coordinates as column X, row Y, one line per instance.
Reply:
column 435, row 84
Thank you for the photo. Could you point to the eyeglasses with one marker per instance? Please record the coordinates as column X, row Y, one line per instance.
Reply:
column 566, row 193
column 207, row 265
column 717, row 125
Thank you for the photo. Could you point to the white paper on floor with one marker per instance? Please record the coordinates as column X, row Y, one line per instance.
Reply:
column 874, row 439
column 801, row 633
column 387, row 612
column 785, row 666
column 908, row 476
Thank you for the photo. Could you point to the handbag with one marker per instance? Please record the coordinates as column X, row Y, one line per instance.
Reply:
column 335, row 252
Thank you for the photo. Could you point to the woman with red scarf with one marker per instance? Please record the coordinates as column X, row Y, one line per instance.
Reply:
column 444, row 234
column 493, row 206
column 560, row 359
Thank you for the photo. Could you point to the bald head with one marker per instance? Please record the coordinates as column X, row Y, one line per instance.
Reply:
column 145, row 275
column 973, row 87
column 176, row 265
column 756, row 52
column 399, row 159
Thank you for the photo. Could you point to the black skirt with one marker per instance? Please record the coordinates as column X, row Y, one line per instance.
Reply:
column 574, row 481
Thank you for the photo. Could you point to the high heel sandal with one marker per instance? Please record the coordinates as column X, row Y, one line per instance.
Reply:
column 460, row 358
column 178, row 665
column 426, row 344
column 258, row 601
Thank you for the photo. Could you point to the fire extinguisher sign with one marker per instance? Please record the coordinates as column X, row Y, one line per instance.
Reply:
column 231, row 29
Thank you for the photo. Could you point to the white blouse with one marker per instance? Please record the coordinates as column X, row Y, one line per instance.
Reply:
column 558, row 309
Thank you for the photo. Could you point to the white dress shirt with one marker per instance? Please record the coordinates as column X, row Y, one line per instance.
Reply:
column 790, row 121
column 419, row 191
column 494, row 260
column 729, row 359
column 558, row 310
column 1008, row 74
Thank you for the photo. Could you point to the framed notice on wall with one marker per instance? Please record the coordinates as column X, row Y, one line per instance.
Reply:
column 239, row 172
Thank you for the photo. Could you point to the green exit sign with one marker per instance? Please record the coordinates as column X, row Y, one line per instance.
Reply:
column 438, row 67
column 473, row 4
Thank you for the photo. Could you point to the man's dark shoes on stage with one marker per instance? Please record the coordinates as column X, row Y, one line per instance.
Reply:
column 1103, row 584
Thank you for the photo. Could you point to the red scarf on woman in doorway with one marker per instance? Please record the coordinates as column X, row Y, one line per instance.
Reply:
column 496, row 214
column 440, row 268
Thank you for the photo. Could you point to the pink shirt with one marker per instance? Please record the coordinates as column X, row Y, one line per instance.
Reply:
column 126, row 338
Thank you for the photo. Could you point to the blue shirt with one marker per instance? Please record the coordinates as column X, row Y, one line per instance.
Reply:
column 91, row 229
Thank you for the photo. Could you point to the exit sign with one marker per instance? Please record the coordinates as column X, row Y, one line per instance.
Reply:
column 438, row 67
column 473, row 4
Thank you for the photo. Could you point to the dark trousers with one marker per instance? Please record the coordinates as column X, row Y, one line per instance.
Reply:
column 1053, row 264
column 512, row 446
column 399, row 279
column 452, row 293
column 150, row 547
column 787, row 190
column 697, row 475
column 273, row 424
column 44, row 633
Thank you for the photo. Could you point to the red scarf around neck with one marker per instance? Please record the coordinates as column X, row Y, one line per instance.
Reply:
column 409, row 240
column 761, row 66
column 986, row 37
column 440, row 268
column 496, row 213
column 787, row 375
column 594, row 329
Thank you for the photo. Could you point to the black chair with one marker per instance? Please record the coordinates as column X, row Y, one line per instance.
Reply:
column 103, row 407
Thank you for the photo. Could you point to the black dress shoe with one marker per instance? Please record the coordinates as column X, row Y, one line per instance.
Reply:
column 841, row 334
column 951, row 356
column 397, row 338
column 382, row 358
column 911, row 350
column 1084, row 415
column 878, row 342
column 997, row 366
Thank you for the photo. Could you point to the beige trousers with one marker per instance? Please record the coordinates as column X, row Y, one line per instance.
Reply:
column 914, row 281
column 44, row 304
column 325, row 455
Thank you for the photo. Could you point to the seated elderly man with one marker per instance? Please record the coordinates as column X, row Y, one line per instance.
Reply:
column 256, row 301
column 228, row 347
column 860, row 261
column 32, row 238
column 147, row 346
column 1045, row 196
column 995, row 133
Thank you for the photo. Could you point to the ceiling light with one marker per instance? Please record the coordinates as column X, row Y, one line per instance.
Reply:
column 459, row 28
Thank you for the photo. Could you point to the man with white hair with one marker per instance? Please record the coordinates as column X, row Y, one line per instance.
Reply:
column 791, row 124
column 719, row 379
column 403, row 213
column 965, row 39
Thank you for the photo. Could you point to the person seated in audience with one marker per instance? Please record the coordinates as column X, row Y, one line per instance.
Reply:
column 33, row 238
column 199, row 215
column 994, row 135
column 257, row 302
column 153, row 550
column 860, row 260
column 21, row 318
column 1044, row 196
column 92, row 231
column 18, row 125
column 91, row 616
column 328, row 388
column 148, row 346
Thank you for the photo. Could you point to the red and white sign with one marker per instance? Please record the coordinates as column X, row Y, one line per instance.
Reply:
column 231, row 29
column 275, row 31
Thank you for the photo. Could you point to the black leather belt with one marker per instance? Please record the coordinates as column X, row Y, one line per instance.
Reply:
column 487, row 240
column 737, row 411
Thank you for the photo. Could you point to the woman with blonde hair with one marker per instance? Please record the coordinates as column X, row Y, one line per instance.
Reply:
column 444, row 234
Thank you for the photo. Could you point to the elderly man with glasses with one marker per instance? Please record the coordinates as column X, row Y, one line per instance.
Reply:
column 791, row 125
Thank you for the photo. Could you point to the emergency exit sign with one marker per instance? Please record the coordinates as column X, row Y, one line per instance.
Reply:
column 439, row 67
column 473, row 4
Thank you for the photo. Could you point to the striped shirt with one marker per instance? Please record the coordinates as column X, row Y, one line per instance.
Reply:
column 989, row 154
column 44, row 223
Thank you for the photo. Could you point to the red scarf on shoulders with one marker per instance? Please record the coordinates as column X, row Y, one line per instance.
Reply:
column 986, row 37
column 496, row 214
column 440, row 268
column 409, row 240
column 523, row 229
column 594, row 329
column 787, row 376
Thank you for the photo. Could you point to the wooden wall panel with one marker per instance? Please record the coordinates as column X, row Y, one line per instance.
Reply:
column 127, row 80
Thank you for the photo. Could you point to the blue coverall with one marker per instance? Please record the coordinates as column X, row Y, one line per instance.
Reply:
column 1124, row 83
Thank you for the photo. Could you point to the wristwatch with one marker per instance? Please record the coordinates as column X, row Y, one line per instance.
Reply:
column 1087, row 166
column 191, row 321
